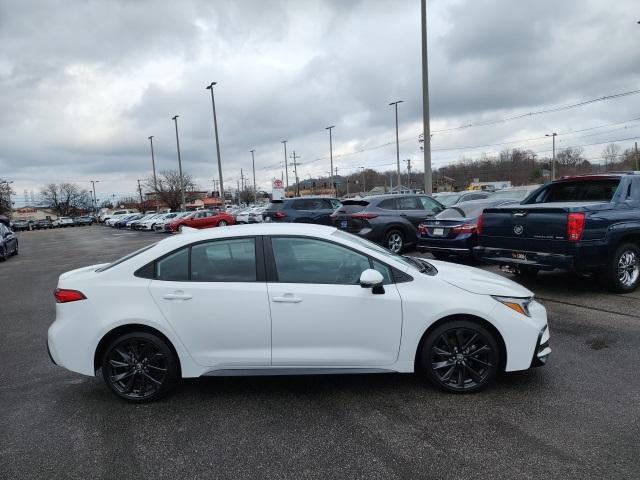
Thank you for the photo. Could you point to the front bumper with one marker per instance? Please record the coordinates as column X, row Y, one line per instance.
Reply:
column 542, row 350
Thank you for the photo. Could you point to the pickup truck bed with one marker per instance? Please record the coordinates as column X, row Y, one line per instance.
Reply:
column 593, row 227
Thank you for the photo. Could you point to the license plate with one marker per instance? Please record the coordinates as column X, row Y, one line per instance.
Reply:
column 267, row 219
column 519, row 256
column 438, row 231
column 344, row 224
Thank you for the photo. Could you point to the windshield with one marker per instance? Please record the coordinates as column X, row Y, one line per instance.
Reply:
column 448, row 199
column 377, row 248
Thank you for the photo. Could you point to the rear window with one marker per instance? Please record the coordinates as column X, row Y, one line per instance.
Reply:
column 462, row 211
column 448, row 199
column 275, row 206
column 126, row 257
column 353, row 206
column 580, row 191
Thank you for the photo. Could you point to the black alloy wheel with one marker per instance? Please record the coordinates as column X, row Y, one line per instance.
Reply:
column 139, row 367
column 622, row 275
column 460, row 356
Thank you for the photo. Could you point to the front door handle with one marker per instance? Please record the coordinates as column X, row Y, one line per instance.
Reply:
column 178, row 295
column 286, row 299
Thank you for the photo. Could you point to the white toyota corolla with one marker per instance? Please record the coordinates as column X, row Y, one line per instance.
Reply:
column 289, row 299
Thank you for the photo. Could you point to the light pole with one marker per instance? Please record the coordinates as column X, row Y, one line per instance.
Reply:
column 184, row 204
column 253, row 164
column 553, row 160
column 95, row 201
column 331, row 157
column 286, row 170
column 215, row 128
column 428, row 178
column 153, row 164
column 395, row 104
column 364, row 185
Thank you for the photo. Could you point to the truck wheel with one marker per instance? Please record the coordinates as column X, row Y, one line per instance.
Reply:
column 623, row 272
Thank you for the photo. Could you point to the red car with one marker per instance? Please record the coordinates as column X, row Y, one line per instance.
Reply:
column 201, row 219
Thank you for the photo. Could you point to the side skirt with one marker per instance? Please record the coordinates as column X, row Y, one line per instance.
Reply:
column 254, row 372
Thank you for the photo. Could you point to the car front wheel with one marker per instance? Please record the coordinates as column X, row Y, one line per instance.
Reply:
column 222, row 223
column 139, row 367
column 460, row 356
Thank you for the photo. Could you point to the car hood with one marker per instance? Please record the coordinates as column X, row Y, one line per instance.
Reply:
column 479, row 281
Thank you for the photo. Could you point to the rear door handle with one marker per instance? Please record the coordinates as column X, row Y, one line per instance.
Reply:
column 177, row 296
column 286, row 299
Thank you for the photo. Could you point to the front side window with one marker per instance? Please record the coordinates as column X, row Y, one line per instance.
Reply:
column 429, row 205
column 224, row 261
column 174, row 267
column 307, row 260
column 388, row 204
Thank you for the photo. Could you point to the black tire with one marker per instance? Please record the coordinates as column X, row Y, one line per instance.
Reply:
column 394, row 241
column 440, row 255
column 222, row 223
column 4, row 253
column 526, row 271
column 459, row 356
column 622, row 275
column 15, row 251
column 146, row 362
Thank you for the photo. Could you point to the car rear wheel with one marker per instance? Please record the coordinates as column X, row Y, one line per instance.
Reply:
column 139, row 367
column 394, row 241
column 222, row 223
column 623, row 272
column 460, row 356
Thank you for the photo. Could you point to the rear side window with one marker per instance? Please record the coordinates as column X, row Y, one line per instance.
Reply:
column 174, row 267
column 587, row 191
column 388, row 204
column 409, row 203
column 224, row 261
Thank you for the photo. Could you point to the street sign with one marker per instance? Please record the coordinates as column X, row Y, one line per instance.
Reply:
column 277, row 189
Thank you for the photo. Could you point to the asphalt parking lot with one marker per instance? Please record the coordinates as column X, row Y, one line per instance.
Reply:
column 578, row 417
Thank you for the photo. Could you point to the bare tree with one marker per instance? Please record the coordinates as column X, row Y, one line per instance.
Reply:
column 5, row 198
column 610, row 154
column 168, row 188
column 65, row 198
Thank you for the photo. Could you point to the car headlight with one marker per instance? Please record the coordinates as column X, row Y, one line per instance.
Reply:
column 520, row 305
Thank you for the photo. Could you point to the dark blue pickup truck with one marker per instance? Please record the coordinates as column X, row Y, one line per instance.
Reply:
column 588, row 224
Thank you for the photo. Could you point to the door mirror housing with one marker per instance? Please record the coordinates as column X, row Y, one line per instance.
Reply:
column 373, row 279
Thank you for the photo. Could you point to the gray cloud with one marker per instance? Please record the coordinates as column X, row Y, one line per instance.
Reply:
column 85, row 82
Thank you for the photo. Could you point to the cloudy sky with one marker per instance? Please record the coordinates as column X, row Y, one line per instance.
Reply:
column 84, row 83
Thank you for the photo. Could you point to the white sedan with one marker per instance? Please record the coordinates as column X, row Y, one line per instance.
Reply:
column 289, row 299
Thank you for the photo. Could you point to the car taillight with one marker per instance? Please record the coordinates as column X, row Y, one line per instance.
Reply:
column 575, row 226
column 279, row 215
column 65, row 296
column 365, row 216
column 479, row 224
column 466, row 228
column 422, row 229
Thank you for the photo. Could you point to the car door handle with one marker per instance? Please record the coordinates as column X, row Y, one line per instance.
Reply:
column 403, row 215
column 177, row 296
column 286, row 299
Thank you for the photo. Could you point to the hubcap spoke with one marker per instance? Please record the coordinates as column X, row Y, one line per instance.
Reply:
column 439, row 351
column 439, row 365
column 157, row 382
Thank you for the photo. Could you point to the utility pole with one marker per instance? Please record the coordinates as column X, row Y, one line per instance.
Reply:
column 242, row 179
column 253, row 163
column 238, row 189
column 428, row 177
column 553, row 161
column 215, row 127
column 347, row 187
column 364, row 184
column 286, row 169
column 336, row 182
column 331, row 157
column 95, row 200
column 408, row 160
column 395, row 104
column 295, row 170
column 184, row 204
column 637, row 169
column 215, row 185
column 140, row 191
column 153, row 164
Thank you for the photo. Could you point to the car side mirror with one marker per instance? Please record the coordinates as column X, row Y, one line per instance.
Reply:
column 372, row 279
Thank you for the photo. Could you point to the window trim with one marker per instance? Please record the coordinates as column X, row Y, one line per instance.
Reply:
column 258, row 249
column 272, row 271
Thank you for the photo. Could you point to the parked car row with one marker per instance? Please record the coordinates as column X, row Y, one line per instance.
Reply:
column 170, row 222
column 47, row 223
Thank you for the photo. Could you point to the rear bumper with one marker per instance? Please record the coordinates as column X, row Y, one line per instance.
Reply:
column 543, row 261
column 462, row 246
